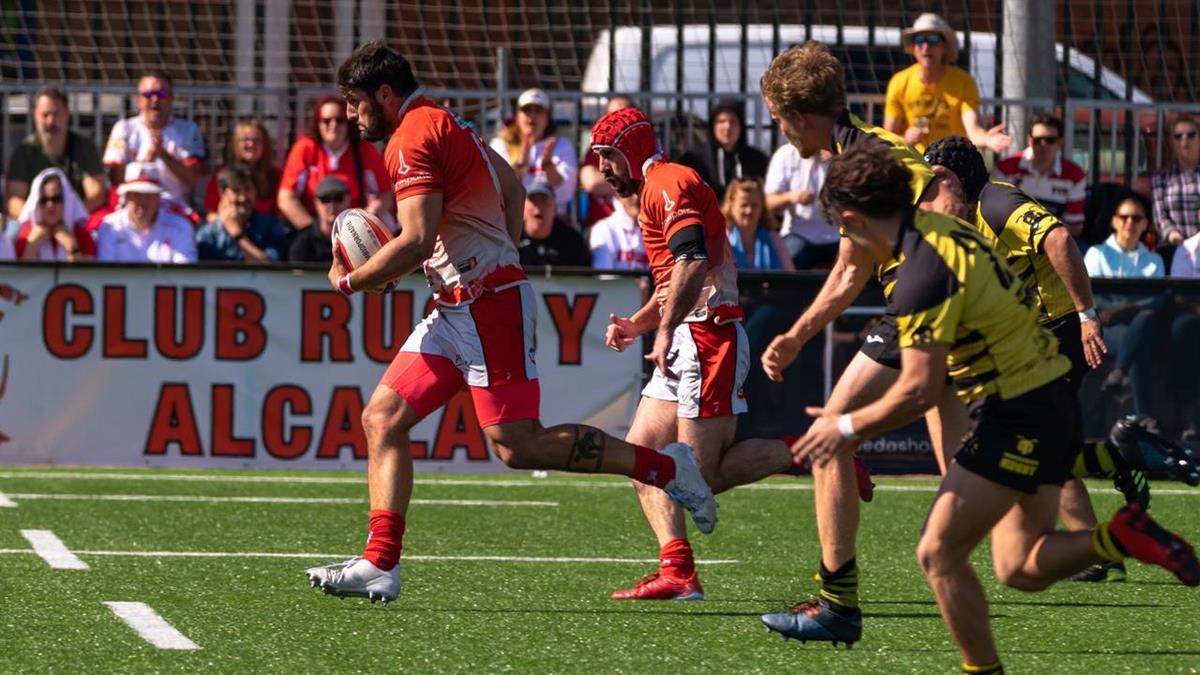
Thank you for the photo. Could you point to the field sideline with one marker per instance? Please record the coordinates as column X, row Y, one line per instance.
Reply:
column 509, row 573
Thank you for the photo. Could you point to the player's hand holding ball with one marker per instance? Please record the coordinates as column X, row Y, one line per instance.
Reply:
column 356, row 236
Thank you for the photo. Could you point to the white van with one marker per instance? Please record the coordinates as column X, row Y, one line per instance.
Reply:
column 868, row 67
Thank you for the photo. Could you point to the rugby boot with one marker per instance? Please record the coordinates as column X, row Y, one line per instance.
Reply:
column 817, row 620
column 357, row 578
column 689, row 488
column 1140, row 537
column 659, row 586
column 1144, row 450
column 1101, row 572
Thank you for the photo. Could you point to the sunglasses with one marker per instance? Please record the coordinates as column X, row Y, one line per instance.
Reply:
column 332, row 199
column 931, row 40
column 1044, row 140
column 333, row 120
column 157, row 93
column 51, row 199
column 1135, row 217
column 1179, row 135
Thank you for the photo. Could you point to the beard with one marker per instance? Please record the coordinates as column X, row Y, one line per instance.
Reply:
column 376, row 130
column 624, row 186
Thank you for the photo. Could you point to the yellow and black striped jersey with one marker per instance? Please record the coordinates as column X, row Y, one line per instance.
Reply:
column 848, row 129
column 1017, row 225
column 953, row 288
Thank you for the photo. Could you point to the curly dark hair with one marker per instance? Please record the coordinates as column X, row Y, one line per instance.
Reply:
column 866, row 178
column 962, row 157
column 807, row 79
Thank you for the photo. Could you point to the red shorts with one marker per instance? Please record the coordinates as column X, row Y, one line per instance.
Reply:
column 710, row 363
column 487, row 345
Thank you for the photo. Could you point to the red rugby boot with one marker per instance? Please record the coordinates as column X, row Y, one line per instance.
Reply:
column 658, row 586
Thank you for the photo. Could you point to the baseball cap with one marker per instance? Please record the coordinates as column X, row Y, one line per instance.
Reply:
column 539, row 187
column 533, row 97
column 331, row 185
column 141, row 177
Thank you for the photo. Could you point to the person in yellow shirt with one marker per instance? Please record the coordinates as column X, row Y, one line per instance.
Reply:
column 932, row 98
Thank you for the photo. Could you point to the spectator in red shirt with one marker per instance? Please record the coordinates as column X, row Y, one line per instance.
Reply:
column 1044, row 174
column 52, row 221
column 250, row 145
column 333, row 148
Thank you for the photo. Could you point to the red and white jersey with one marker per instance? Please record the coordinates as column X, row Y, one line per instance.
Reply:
column 431, row 151
column 674, row 197
column 131, row 140
column 1062, row 190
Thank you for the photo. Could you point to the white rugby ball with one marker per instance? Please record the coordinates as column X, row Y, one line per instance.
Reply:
column 357, row 235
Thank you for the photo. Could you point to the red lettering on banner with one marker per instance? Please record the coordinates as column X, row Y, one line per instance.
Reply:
column 116, row 344
column 174, row 421
column 570, row 320
column 55, row 334
column 224, row 443
column 375, row 344
column 324, row 314
column 274, row 415
column 459, row 428
column 167, row 339
column 239, row 330
column 343, row 425
column 419, row 449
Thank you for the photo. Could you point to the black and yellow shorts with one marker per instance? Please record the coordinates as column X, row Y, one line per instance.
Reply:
column 1024, row 442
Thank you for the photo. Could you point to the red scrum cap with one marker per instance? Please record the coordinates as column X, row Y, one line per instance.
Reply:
column 629, row 132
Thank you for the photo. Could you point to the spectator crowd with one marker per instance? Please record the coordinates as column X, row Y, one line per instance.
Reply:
column 155, row 194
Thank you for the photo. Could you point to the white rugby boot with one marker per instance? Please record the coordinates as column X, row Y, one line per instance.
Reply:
column 358, row 578
column 689, row 489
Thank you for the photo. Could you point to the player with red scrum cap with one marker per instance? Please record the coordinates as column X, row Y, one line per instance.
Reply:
column 701, row 355
column 461, row 207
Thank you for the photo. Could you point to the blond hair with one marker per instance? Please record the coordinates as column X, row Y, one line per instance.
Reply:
column 805, row 80
column 754, row 185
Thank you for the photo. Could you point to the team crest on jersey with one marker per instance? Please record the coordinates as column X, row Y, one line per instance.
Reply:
column 402, row 167
column 1025, row 446
column 667, row 203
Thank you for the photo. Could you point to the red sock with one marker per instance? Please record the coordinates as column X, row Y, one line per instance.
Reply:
column 675, row 559
column 652, row 467
column 385, row 539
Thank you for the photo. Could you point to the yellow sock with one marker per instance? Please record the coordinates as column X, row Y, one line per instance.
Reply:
column 1104, row 545
column 1096, row 460
column 993, row 668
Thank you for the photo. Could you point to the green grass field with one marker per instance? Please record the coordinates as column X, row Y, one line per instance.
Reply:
column 252, row 612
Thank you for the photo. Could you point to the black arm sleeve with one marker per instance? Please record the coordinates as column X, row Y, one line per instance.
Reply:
column 688, row 244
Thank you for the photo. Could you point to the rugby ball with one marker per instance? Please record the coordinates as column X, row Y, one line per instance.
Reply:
column 357, row 235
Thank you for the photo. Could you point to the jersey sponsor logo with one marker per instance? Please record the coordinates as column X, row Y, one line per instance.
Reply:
column 873, row 339
column 402, row 167
column 668, row 204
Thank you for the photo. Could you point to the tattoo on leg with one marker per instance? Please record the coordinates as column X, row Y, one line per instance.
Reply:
column 587, row 451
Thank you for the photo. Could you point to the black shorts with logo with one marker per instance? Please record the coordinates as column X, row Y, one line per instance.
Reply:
column 883, row 343
column 1024, row 442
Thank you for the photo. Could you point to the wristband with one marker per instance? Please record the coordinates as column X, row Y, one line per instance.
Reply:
column 1087, row 315
column 845, row 425
column 344, row 285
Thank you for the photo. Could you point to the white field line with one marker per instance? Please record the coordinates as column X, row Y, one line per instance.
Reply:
column 150, row 626
column 29, row 496
column 474, row 482
column 343, row 556
column 51, row 549
column 6, row 502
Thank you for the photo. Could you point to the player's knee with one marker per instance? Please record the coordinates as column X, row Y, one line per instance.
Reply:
column 382, row 418
column 511, row 445
column 935, row 557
